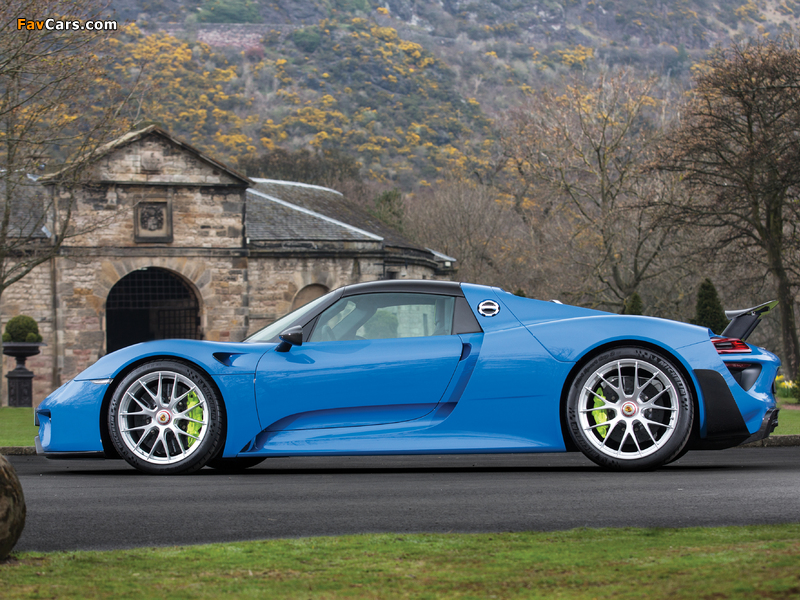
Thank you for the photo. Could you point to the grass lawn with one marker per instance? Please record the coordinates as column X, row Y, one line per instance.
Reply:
column 731, row 562
column 788, row 419
column 16, row 426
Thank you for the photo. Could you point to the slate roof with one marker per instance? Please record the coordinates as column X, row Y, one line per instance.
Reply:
column 319, row 213
column 270, row 218
column 27, row 206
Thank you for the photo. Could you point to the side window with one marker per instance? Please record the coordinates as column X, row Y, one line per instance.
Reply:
column 385, row 316
column 328, row 320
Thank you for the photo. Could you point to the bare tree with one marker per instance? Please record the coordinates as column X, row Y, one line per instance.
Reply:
column 738, row 149
column 57, row 107
column 51, row 111
column 584, row 151
column 471, row 222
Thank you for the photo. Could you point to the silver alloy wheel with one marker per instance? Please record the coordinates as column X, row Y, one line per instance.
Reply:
column 163, row 417
column 628, row 409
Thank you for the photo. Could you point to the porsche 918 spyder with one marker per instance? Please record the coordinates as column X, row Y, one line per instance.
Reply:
column 422, row 367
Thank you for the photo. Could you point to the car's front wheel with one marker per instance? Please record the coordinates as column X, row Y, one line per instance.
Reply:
column 630, row 409
column 166, row 418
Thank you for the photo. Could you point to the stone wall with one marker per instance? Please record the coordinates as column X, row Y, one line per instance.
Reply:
column 234, row 35
column 204, row 217
column 32, row 296
column 153, row 159
column 218, row 280
column 274, row 282
column 205, row 204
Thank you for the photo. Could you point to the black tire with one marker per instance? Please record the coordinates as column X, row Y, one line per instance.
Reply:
column 643, row 423
column 165, row 418
column 679, row 455
column 235, row 465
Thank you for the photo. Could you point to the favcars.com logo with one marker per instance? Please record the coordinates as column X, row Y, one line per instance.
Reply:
column 64, row 25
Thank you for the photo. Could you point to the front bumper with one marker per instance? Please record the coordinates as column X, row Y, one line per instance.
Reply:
column 69, row 419
column 65, row 455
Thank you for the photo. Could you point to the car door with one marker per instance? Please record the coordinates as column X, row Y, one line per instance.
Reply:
column 370, row 359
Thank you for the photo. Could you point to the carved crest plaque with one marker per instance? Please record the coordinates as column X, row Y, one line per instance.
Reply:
column 151, row 217
column 150, row 161
column 153, row 222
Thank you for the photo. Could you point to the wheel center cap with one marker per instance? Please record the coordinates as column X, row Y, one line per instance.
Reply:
column 163, row 417
column 629, row 409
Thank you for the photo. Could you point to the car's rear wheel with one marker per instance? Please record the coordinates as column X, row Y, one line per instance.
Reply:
column 166, row 418
column 630, row 409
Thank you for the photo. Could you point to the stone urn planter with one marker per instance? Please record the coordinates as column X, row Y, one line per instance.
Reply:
column 21, row 340
column 20, row 379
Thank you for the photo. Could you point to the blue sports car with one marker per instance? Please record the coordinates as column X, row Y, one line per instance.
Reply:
column 421, row 367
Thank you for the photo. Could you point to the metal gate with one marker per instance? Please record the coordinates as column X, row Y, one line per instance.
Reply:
column 150, row 304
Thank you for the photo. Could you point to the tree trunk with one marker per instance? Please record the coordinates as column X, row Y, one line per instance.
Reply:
column 774, row 245
column 788, row 327
column 3, row 384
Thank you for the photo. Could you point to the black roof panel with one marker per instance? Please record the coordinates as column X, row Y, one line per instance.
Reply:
column 419, row 286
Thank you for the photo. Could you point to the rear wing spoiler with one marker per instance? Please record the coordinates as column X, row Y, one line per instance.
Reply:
column 743, row 322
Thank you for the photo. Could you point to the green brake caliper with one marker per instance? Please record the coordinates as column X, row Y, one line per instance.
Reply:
column 196, row 413
column 600, row 416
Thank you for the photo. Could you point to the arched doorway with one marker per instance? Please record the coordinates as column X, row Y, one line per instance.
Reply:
column 309, row 293
column 150, row 304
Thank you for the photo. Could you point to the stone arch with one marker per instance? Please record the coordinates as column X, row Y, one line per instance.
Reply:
column 309, row 293
column 151, row 303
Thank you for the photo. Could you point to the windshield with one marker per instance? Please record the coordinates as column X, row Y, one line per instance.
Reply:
column 272, row 331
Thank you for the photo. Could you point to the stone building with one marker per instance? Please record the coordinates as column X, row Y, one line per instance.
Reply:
column 177, row 244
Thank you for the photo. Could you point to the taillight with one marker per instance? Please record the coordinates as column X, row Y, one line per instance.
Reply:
column 730, row 346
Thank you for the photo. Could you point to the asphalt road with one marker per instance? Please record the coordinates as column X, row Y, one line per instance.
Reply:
column 106, row 504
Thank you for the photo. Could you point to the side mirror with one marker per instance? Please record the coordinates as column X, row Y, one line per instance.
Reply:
column 291, row 337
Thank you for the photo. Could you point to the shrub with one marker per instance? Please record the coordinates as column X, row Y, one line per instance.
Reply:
column 787, row 389
column 351, row 6
column 709, row 312
column 22, row 328
column 254, row 54
column 229, row 11
column 307, row 39
column 633, row 305
column 390, row 209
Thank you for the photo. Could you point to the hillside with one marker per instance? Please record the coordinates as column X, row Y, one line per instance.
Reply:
column 644, row 23
column 407, row 87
